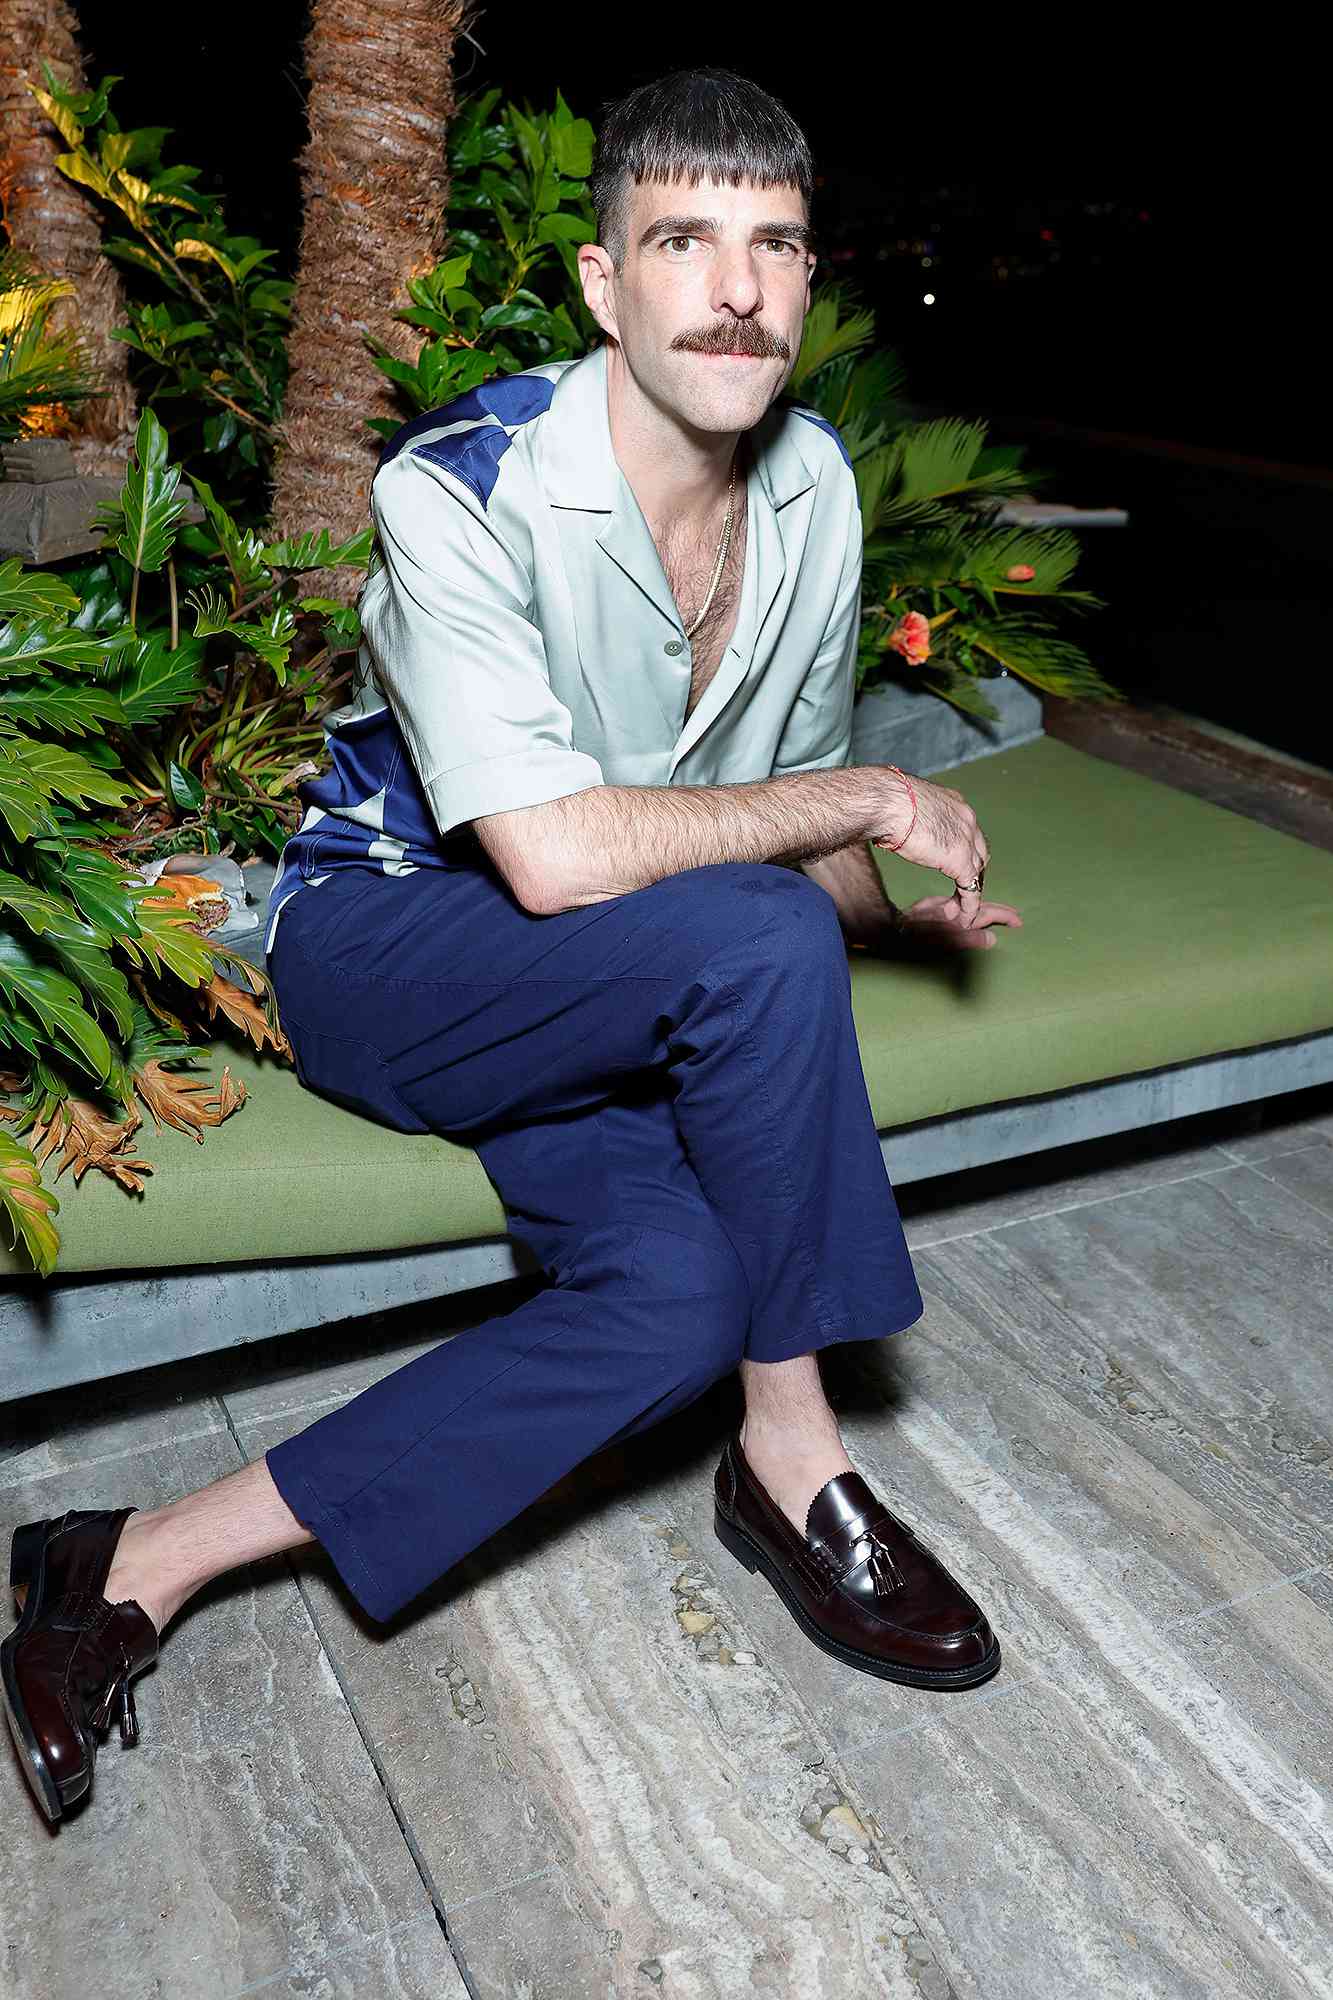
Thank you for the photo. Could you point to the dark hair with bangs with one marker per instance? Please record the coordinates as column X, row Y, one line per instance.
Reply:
column 695, row 124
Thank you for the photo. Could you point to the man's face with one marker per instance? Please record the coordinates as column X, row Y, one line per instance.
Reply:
column 711, row 304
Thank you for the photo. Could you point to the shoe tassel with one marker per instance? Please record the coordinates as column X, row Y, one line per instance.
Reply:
column 129, row 1721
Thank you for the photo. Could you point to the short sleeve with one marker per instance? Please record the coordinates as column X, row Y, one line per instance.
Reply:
column 461, row 664
column 817, row 735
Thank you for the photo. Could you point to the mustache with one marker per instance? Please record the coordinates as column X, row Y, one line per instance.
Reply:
column 742, row 336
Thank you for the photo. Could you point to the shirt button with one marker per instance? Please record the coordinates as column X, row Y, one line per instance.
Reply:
column 674, row 646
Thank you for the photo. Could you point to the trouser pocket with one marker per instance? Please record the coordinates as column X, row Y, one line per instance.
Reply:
column 350, row 1072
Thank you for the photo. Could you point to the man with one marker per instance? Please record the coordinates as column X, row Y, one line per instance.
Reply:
column 577, row 892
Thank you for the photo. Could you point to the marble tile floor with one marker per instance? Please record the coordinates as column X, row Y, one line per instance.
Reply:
column 599, row 1759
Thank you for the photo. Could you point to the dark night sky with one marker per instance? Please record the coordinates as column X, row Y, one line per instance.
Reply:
column 1197, row 325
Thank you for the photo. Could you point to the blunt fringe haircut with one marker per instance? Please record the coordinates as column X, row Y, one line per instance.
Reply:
column 693, row 125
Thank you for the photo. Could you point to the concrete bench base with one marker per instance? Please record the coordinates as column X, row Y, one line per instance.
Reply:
column 88, row 1328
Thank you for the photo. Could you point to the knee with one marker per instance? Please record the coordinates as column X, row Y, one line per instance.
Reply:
column 684, row 1300
column 710, row 1323
column 787, row 917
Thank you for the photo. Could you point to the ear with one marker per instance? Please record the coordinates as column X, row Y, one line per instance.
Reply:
column 597, row 275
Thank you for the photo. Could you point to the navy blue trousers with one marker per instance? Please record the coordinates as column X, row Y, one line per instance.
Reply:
column 666, row 1091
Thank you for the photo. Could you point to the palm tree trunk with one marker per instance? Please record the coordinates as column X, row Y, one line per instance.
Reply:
column 375, row 181
column 58, row 224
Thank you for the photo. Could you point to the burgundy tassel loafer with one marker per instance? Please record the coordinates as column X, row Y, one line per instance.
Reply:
column 70, row 1658
column 858, row 1582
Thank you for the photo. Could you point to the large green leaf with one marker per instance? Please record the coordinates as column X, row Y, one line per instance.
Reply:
column 82, row 950
column 52, row 999
column 99, row 886
column 165, row 936
column 28, row 645
column 147, row 510
column 66, row 772
column 42, row 912
column 27, row 593
column 24, row 804
column 71, row 709
column 157, row 678
column 316, row 551
column 28, row 1205
column 242, row 547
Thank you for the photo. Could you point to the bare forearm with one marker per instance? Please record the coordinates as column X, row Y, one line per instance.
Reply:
column 614, row 838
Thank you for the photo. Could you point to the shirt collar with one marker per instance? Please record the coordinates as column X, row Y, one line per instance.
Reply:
column 579, row 465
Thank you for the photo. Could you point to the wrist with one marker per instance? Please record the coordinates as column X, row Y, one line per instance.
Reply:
column 900, row 808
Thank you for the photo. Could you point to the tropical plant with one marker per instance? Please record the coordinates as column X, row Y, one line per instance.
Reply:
column 83, row 1034
column 945, row 589
column 210, row 335
column 41, row 372
column 519, row 209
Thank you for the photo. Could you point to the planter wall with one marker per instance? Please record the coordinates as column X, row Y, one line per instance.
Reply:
column 920, row 733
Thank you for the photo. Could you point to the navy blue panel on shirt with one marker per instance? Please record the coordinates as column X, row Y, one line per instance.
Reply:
column 510, row 399
column 812, row 418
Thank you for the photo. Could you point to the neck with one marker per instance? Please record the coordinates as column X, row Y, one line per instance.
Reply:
column 677, row 474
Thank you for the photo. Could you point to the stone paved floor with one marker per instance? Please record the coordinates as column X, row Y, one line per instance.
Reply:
column 1115, row 1421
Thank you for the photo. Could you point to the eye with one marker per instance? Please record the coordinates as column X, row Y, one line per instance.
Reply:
column 679, row 239
column 783, row 243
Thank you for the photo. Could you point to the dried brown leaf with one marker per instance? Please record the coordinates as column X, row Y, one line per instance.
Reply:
column 184, row 1101
column 88, row 1138
column 223, row 996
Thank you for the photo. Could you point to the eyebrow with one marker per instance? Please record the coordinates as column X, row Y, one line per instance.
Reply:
column 695, row 225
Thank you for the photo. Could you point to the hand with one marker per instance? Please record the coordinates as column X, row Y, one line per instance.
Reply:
column 939, row 922
column 944, row 833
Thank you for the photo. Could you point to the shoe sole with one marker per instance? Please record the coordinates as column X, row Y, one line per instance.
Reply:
column 942, row 1678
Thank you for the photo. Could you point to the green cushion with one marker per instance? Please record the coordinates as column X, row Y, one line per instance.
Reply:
column 1157, row 929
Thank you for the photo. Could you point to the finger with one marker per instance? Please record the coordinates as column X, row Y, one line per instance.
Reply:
column 969, row 902
column 1000, row 913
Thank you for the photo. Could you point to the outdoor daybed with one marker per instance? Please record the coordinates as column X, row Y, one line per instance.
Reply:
column 1175, row 957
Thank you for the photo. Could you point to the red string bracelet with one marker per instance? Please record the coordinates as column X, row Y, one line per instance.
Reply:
column 894, row 845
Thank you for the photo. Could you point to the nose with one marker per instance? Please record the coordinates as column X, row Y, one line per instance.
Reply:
column 736, row 282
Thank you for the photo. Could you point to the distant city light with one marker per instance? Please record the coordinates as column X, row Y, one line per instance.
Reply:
column 928, row 299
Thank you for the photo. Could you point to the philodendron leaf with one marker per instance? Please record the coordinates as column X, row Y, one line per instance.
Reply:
column 316, row 551
column 54, row 1002
column 242, row 547
column 166, row 937
column 28, row 645
column 28, row 1205
column 70, row 708
column 28, row 593
column 156, row 677
column 148, row 505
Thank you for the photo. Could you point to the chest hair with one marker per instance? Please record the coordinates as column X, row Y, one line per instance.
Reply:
column 688, row 566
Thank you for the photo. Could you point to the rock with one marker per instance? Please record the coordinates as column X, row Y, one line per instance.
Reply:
column 744, row 1659
column 725, row 1656
column 651, row 1968
column 456, row 1677
column 697, row 1621
column 810, row 1814
column 679, row 1549
column 842, row 1820
column 858, row 1855
column 837, row 1845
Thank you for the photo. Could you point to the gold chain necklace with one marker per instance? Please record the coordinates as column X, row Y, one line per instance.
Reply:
column 722, row 548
